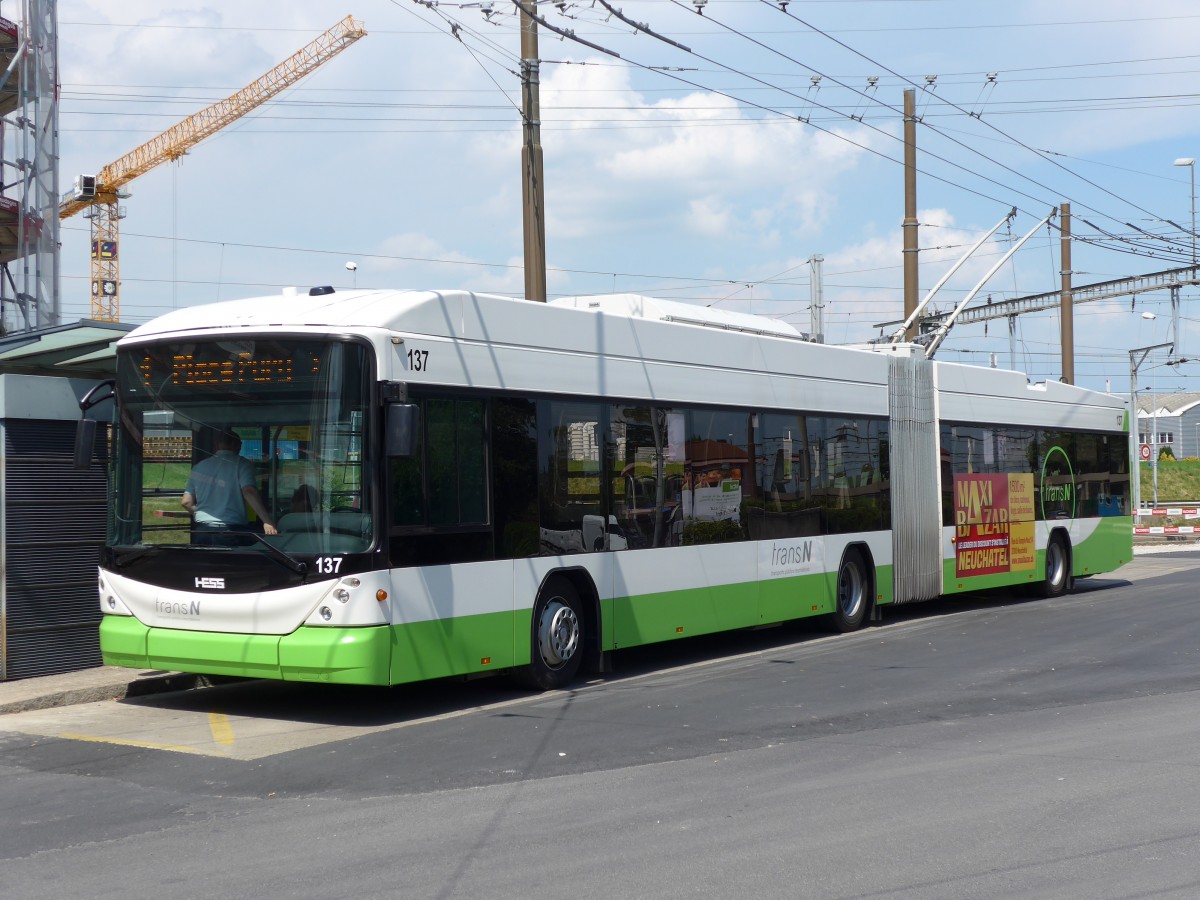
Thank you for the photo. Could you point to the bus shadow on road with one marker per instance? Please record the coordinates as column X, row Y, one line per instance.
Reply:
column 995, row 599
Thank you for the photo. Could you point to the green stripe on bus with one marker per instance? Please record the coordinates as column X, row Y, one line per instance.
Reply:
column 675, row 614
column 335, row 655
column 123, row 641
column 1109, row 546
column 459, row 646
column 669, row 615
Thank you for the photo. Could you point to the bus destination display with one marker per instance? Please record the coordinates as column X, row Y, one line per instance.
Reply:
column 186, row 369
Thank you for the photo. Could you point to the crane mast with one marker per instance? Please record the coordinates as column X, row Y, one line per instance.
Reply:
column 99, row 194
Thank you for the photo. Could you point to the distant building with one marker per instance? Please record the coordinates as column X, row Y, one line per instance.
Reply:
column 1178, row 422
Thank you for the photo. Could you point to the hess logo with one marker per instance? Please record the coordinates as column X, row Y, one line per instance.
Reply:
column 211, row 584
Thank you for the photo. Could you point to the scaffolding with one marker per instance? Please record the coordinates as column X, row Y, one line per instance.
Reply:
column 29, row 289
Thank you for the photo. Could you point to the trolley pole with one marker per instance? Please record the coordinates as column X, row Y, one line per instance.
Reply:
column 532, row 188
column 911, row 279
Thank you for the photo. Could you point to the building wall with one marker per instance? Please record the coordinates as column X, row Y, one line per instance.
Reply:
column 1168, row 432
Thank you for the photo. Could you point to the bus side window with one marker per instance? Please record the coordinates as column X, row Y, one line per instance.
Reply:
column 407, row 484
column 572, row 506
column 455, row 459
column 514, row 477
column 719, row 476
column 444, row 483
column 643, row 502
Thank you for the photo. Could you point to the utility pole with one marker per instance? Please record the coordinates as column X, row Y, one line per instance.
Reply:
column 911, row 285
column 817, row 291
column 532, row 188
column 1066, row 306
column 1176, row 334
column 1190, row 162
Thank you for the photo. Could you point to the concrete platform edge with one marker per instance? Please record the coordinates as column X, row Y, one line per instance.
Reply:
column 96, row 685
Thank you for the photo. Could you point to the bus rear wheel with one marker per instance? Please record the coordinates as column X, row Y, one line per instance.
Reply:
column 853, row 593
column 1058, row 568
column 557, row 637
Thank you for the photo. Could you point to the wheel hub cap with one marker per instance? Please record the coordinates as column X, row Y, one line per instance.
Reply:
column 558, row 633
column 850, row 591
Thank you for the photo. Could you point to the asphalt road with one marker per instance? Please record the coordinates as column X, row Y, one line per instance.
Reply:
column 988, row 746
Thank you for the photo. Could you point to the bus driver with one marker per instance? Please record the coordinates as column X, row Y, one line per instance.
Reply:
column 219, row 489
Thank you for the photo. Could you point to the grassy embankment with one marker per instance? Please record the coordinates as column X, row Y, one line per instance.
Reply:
column 1177, row 480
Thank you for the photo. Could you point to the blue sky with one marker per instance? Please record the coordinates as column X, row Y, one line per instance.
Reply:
column 687, row 175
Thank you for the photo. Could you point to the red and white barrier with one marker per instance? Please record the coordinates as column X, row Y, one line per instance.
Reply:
column 1181, row 512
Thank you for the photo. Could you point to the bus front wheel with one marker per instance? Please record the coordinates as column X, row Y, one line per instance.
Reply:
column 853, row 593
column 557, row 637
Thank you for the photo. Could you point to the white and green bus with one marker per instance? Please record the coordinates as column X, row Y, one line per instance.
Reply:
column 463, row 483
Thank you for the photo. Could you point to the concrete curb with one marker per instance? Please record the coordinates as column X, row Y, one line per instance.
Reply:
column 110, row 690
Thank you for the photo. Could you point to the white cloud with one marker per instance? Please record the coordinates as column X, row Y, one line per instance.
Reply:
column 694, row 164
column 708, row 216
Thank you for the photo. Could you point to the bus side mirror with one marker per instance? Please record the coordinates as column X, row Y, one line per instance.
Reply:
column 403, row 422
column 85, row 429
column 85, row 443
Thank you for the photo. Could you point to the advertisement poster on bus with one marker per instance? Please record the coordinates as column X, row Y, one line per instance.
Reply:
column 993, row 524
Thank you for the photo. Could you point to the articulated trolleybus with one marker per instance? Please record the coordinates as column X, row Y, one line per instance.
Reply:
column 462, row 483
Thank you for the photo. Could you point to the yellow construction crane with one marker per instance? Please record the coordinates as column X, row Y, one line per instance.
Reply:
column 99, row 193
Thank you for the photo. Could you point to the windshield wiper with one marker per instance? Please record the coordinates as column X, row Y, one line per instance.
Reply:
column 276, row 555
column 300, row 568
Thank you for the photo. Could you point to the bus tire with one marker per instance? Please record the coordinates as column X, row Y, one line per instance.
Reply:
column 852, row 596
column 1057, row 577
column 557, row 636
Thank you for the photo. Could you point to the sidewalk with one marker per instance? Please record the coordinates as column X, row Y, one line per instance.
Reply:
column 90, row 685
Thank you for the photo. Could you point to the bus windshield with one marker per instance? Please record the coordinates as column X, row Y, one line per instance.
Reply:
column 254, row 443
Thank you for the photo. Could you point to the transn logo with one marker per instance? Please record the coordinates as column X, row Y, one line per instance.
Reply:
column 211, row 584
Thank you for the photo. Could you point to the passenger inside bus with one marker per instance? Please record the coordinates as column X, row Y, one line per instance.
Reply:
column 305, row 499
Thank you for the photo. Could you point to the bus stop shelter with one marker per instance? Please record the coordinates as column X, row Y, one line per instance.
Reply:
column 52, row 515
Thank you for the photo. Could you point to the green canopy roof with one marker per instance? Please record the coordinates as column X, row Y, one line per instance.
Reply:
column 84, row 349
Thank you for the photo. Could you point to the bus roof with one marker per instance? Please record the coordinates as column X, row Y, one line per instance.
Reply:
column 640, row 307
column 391, row 308
column 747, row 356
column 293, row 309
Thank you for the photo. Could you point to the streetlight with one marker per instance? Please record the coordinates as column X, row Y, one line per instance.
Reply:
column 352, row 266
column 1190, row 162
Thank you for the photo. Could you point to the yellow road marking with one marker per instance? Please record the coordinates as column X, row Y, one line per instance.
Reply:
column 148, row 745
column 222, row 731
